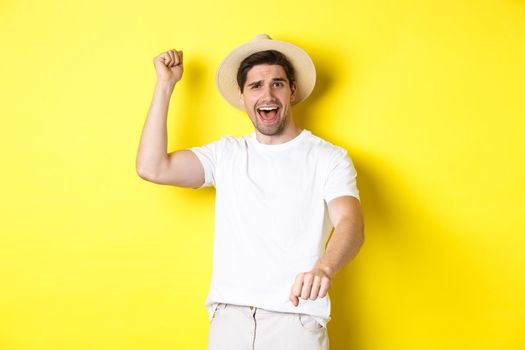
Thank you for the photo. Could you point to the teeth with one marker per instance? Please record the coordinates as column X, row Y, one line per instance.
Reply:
column 267, row 108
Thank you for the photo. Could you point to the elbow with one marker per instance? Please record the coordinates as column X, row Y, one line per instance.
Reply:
column 361, row 230
column 360, row 243
column 145, row 173
column 142, row 174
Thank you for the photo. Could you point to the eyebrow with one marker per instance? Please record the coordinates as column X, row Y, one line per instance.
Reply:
column 258, row 82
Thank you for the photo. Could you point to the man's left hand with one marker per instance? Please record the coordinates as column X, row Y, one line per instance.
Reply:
column 310, row 285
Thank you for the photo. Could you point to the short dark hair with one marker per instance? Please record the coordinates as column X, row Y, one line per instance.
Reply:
column 264, row 57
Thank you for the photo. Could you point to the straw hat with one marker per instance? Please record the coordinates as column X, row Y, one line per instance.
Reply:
column 226, row 76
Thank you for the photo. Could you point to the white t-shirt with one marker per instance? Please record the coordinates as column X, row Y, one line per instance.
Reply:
column 271, row 217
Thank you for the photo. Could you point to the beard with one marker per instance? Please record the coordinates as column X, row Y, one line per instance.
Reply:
column 273, row 129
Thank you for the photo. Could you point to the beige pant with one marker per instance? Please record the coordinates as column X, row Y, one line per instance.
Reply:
column 235, row 327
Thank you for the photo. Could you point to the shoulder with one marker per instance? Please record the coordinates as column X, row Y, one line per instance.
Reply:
column 225, row 147
column 326, row 148
column 231, row 142
column 227, row 141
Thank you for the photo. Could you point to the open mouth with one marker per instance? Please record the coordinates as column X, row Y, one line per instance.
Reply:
column 268, row 114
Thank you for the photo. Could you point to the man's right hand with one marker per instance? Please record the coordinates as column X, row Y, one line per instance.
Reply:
column 169, row 66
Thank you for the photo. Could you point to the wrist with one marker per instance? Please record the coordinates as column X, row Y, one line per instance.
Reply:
column 326, row 269
column 166, row 85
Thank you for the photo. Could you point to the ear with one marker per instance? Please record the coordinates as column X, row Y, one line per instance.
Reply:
column 293, row 88
column 241, row 99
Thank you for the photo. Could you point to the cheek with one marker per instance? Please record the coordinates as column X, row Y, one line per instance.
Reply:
column 285, row 96
column 246, row 103
column 250, row 102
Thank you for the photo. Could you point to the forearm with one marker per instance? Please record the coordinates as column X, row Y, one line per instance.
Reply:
column 343, row 246
column 153, row 143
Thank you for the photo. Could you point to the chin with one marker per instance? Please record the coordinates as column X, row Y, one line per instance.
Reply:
column 271, row 130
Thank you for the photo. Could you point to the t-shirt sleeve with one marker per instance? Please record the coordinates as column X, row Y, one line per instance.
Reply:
column 341, row 178
column 208, row 155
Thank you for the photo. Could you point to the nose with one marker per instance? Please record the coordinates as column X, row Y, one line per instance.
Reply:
column 267, row 93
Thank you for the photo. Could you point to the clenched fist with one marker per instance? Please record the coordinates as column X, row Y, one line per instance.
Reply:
column 310, row 285
column 169, row 66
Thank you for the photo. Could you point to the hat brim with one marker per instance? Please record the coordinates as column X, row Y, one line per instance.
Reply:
column 226, row 77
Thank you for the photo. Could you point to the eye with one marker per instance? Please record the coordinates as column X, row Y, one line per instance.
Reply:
column 278, row 84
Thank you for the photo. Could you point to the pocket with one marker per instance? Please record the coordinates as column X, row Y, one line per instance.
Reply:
column 218, row 306
column 310, row 323
column 215, row 308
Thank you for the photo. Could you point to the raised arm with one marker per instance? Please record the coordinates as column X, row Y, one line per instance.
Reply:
column 180, row 168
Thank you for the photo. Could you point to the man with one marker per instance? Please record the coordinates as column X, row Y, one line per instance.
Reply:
column 279, row 192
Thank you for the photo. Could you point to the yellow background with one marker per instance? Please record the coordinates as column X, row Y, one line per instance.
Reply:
column 427, row 96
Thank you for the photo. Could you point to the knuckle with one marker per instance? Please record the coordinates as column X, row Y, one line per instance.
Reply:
column 308, row 277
